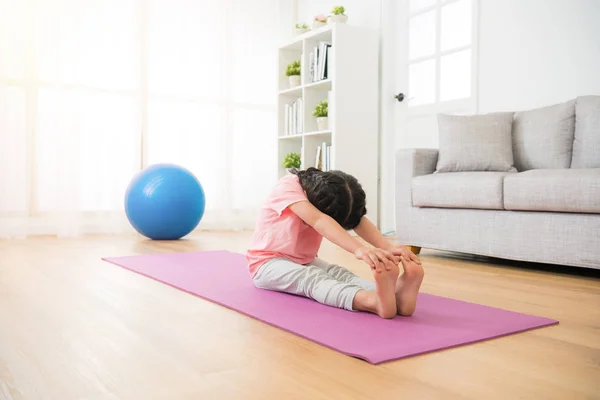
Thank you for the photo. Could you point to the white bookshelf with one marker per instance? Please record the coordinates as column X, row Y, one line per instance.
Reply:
column 352, row 90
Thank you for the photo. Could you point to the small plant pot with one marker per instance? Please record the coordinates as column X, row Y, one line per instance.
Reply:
column 322, row 123
column 294, row 81
column 300, row 31
column 318, row 24
column 342, row 19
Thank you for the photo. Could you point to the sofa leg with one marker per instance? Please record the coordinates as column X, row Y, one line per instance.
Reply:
column 414, row 249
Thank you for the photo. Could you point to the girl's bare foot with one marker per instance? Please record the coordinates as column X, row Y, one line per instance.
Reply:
column 382, row 300
column 407, row 287
column 385, row 292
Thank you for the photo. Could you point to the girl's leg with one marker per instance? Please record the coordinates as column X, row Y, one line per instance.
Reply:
column 343, row 274
column 373, row 290
column 406, row 288
column 313, row 282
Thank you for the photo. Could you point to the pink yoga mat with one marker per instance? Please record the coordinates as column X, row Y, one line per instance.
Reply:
column 439, row 323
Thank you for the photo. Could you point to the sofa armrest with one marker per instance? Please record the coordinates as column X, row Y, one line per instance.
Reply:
column 411, row 163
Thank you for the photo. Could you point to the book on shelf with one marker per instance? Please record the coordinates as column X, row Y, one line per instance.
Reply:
column 322, row 60
column 313, row 69
column 323, row 157
column 318, row 159
column 300, row 115
column 327, row 62
column 318, row 62
column 290, row 119
column 294, row 117
column 291, row 111
column 311, row 66
column 286, row 128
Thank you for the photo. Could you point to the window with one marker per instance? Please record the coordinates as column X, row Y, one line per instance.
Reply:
column 92, row 91
column 440, row 51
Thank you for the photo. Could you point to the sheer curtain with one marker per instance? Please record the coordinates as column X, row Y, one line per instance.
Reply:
column 91, row 91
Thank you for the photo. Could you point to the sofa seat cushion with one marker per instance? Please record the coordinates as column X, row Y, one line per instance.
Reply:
column 560, row 190
column 477, row 189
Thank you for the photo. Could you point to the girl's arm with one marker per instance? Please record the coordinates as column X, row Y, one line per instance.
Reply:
column 369, row 232
column 331, row 230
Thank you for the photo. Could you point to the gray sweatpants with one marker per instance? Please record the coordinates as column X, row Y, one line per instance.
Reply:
column 326, row 283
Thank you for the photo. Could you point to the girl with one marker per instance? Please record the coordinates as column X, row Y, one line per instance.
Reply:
column 306, row 206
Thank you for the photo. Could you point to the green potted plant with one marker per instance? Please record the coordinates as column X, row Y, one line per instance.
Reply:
column 301, row 28
column 321, row 111
column 291, row 160
column 319, row 21
column 293, row 73
column 337, row 15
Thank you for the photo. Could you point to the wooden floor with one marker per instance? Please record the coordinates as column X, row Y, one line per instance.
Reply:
column 75, row 327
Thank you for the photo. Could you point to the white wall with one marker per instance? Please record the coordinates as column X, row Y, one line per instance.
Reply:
column 534, row 53
column 286, row 10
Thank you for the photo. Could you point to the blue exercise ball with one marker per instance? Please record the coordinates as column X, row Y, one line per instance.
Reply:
column 164, row 202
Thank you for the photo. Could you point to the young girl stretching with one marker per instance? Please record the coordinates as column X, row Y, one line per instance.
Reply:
column 306, row 206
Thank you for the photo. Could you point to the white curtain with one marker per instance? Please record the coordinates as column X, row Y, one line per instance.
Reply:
column 91, row 91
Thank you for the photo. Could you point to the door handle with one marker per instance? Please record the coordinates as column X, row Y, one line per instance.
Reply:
column 400, row 97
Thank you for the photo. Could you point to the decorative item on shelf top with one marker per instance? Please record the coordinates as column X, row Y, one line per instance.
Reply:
column 293, row 73
column 319, row 21
column 301, row 28
column 291, row 160
column 321, row 111
column 337, row 15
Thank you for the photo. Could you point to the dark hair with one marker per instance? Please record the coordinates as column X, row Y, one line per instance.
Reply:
column 334, row 193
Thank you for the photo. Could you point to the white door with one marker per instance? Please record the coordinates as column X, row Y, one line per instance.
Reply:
column 435, row 62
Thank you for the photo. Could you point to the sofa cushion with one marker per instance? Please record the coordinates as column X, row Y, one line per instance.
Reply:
column 459, row 190
column 475, row 142
column 586, row 145
column 561, row 190
column 543, row 137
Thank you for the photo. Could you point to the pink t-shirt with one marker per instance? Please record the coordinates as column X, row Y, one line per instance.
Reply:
column 279, row 232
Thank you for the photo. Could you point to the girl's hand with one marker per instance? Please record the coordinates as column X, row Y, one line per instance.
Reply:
column 378, row 259
column 403, row 251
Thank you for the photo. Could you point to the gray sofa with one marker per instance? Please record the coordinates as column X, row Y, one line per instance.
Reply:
column 521, row 186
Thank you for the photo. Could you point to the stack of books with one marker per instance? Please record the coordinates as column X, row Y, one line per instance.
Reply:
column 293, row 118
column 323, row 157
column 318, row 62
